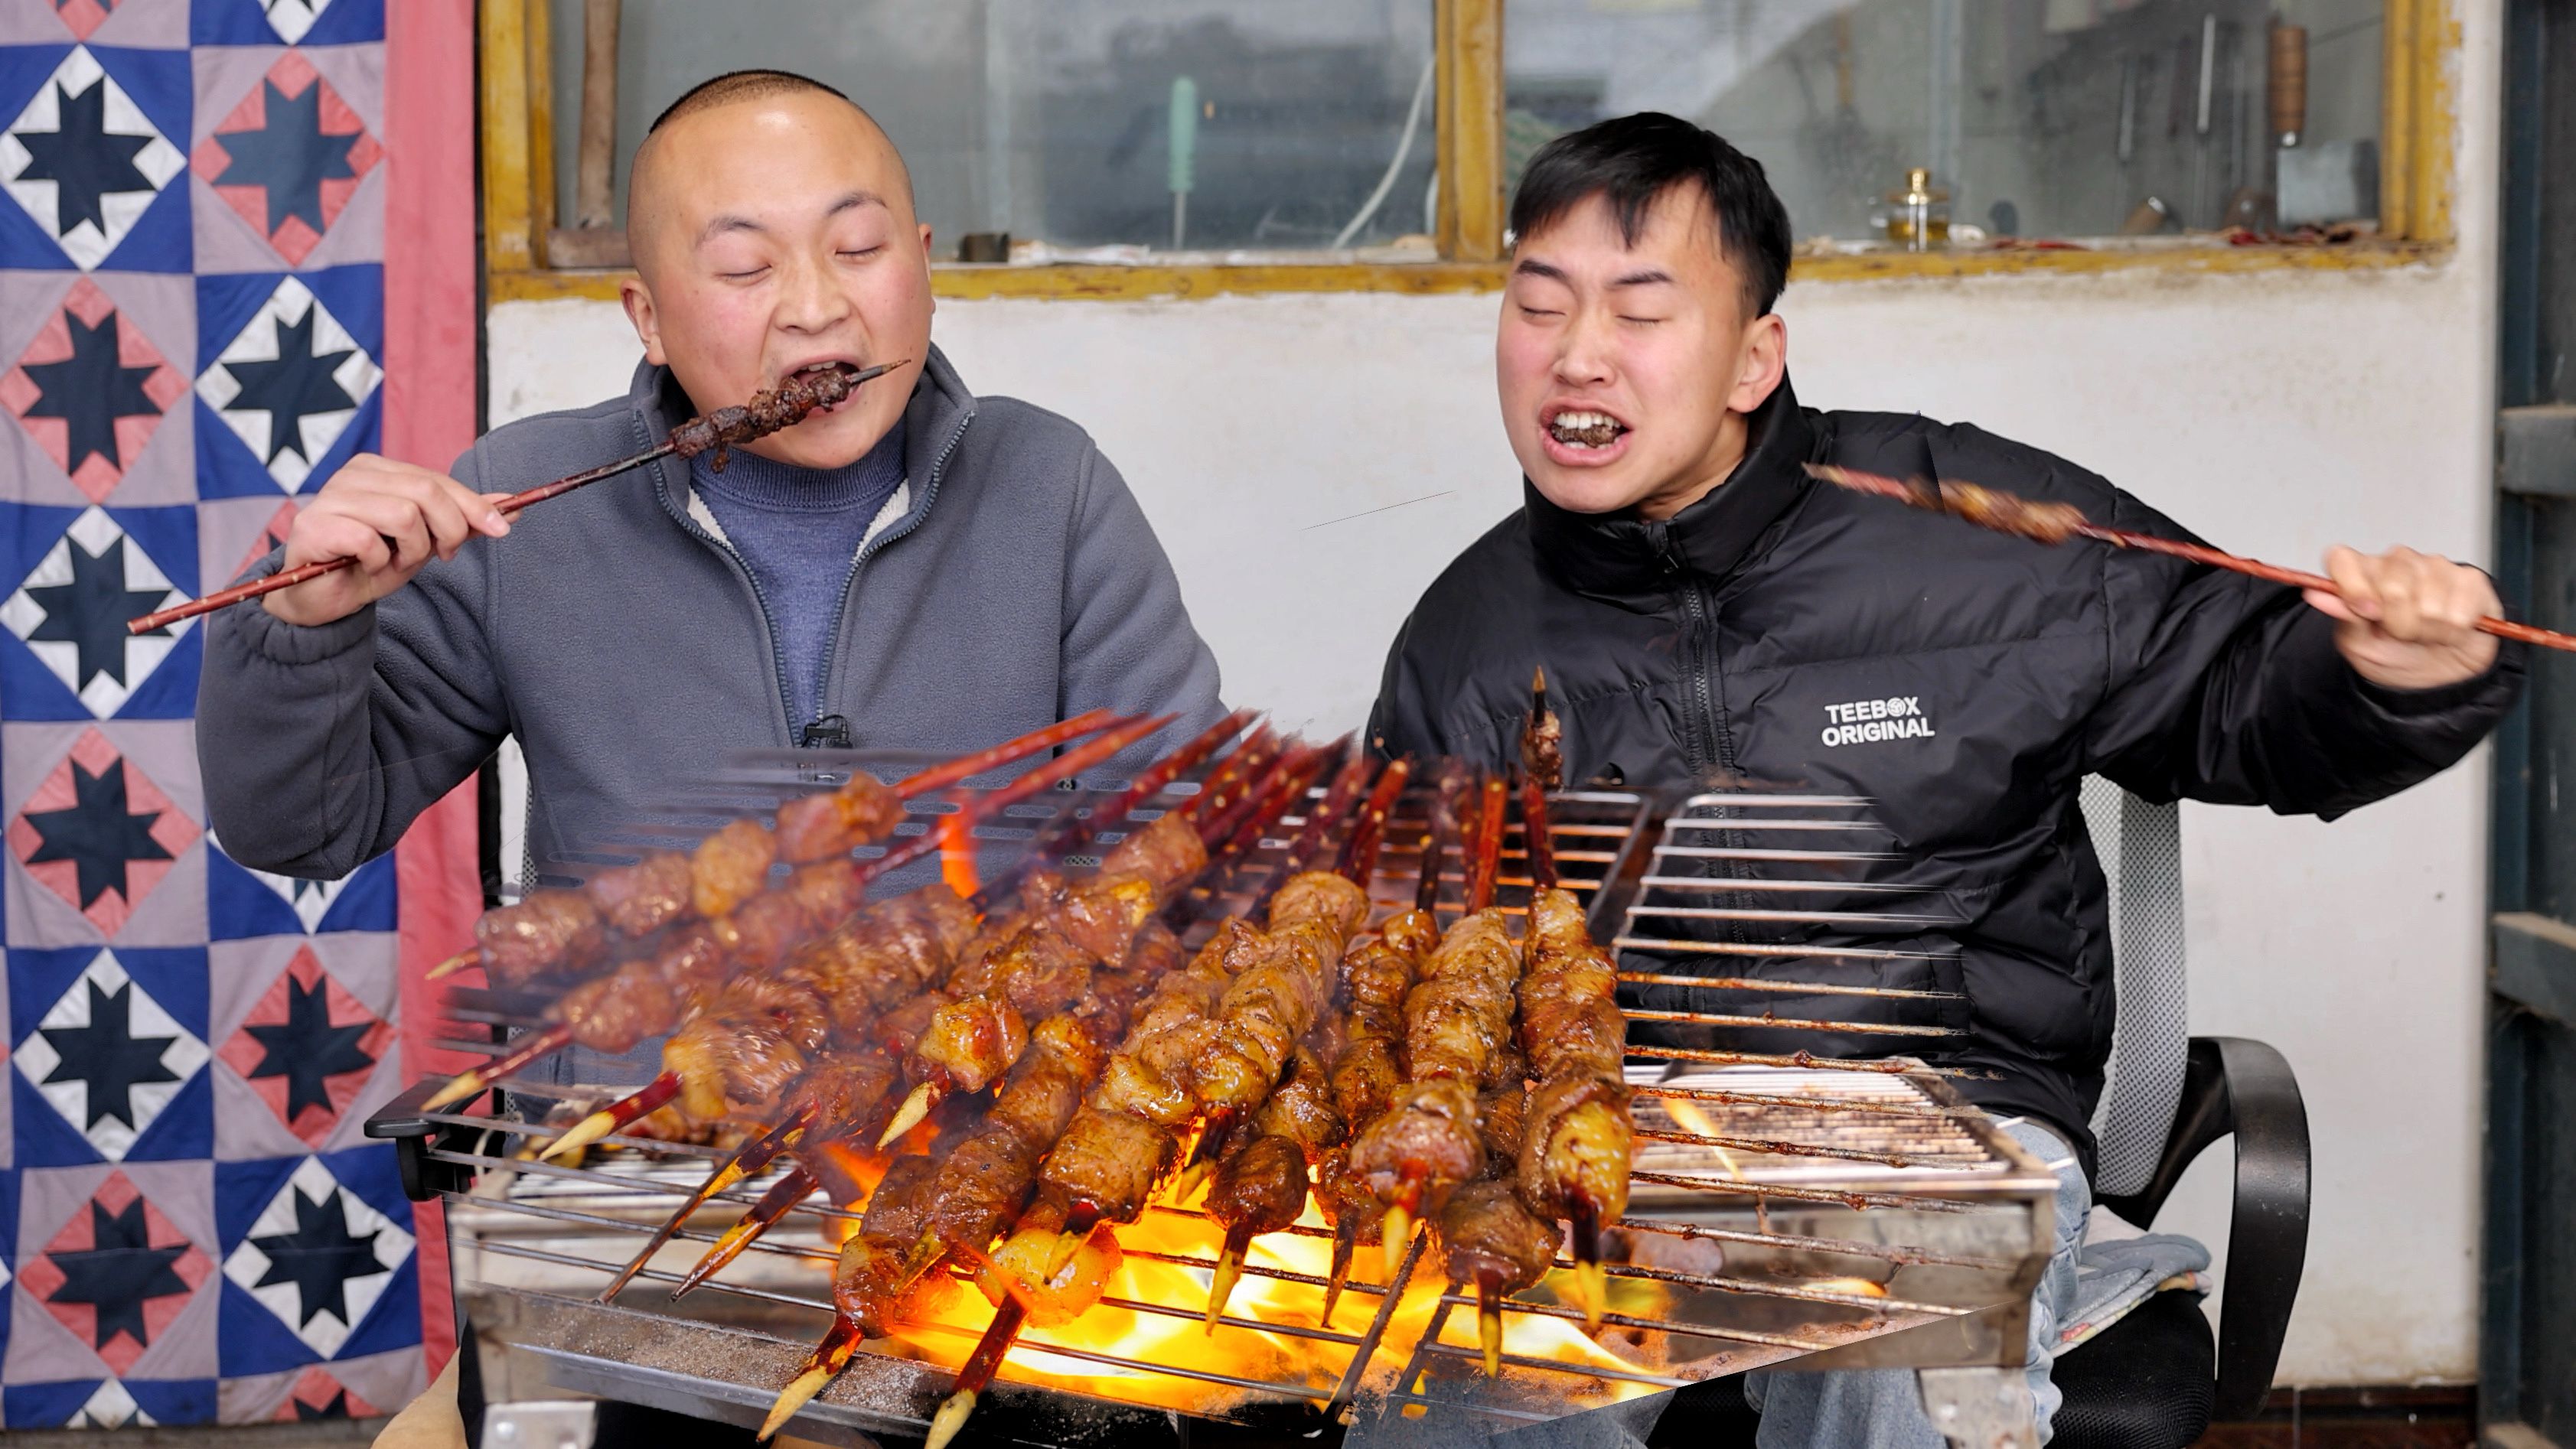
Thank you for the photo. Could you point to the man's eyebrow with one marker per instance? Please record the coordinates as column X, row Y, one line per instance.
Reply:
column 1646, row 277
column 1530, row 267
column 724, row 222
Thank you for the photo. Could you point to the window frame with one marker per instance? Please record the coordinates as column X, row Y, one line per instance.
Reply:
column 2416, row 188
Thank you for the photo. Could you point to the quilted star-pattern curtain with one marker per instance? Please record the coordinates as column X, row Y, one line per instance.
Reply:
column 236, row 248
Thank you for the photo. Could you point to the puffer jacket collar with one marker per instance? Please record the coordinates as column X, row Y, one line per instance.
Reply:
column 1624, row 558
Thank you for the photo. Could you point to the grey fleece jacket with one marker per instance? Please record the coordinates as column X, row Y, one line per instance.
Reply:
column 1011, row 582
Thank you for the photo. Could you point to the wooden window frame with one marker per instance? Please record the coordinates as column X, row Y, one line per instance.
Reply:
column 2417, row 138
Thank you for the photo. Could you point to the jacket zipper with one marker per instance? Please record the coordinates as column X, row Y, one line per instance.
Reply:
column 1708, row 742
column 868, row 550
column 777, row 651
column 1700, row 720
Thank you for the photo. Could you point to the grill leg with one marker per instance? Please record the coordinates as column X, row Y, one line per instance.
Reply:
column 1980, row 1408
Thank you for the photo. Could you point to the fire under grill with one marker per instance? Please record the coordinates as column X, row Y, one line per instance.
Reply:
column 1803, row 1196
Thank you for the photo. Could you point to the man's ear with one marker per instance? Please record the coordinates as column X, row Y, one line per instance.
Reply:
column 1765, row 361
column 638, row 301
column 925, row 263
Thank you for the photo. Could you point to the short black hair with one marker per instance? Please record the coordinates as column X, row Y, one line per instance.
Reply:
column 1632, row 160
column 738, row 85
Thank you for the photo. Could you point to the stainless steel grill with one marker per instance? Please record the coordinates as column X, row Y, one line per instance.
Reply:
column 1786, row 1209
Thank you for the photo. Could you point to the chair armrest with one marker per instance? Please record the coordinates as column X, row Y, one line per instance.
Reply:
column 2245, row 1088
column 2267, row 1236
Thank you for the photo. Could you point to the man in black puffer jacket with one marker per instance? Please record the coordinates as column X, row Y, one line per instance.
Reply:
column 1706, row 612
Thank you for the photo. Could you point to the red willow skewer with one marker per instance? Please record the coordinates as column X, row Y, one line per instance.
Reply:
column 783, row 406
column 2058, row 522
column 1489, row 844
column 1542, row 769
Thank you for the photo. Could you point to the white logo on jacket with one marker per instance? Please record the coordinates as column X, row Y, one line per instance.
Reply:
column 1868, row 721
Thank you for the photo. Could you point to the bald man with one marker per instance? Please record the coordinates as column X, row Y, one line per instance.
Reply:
column 918, row 568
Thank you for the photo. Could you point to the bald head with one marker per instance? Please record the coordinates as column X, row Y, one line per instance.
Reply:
column 727, row 105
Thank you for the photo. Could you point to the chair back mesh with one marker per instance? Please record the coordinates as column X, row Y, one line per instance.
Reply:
column 2141, row 850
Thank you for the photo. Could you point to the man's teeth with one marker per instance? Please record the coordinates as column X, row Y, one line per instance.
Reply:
column 1585, row 429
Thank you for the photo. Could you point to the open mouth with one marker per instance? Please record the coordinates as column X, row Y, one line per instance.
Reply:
column 829, row 367
column 1583, row 428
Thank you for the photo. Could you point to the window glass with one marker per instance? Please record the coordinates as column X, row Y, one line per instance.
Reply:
column 2038, row 118
column 1154, row 124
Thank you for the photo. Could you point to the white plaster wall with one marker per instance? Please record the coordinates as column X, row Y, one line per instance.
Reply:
column 1311, row 461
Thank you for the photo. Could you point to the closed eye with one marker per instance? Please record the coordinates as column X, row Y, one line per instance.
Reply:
column 743, row 276
column 861, row 251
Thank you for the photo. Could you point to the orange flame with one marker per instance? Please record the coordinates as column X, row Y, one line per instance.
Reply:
column 948, row 1331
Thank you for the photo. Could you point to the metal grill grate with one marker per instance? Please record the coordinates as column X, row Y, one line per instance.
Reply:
column 1783, row 1208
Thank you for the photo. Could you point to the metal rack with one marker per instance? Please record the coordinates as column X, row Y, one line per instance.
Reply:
column 1785, row 1209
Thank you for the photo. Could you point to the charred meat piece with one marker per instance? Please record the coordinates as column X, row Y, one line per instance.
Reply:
column 783, row 406
column 615, row 1013
column 730, row 867
column 824, row 826
column 551, row 933
column 1575, row 1148
column 639, row 899
column 1110, row 1160
column 1494, row 1242
column 1259, row 1188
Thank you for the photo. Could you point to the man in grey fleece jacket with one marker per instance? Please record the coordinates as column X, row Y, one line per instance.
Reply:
column 622, row 633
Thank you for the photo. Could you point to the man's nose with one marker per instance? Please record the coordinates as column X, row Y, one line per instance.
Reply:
column 1583, row 354
column 811, row 301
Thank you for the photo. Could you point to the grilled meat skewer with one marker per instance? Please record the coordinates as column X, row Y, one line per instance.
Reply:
column 557, row 933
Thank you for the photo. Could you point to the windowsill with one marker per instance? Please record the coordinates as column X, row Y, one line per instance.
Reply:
column 1185, row 275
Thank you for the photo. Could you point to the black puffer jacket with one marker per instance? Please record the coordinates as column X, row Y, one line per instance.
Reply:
column 1782, row 631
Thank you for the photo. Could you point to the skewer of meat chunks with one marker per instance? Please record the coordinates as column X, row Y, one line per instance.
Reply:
column 1377, row 975
column 1559, row 1149
column 973, row 1038
column 2055, row 523
column 555, row 933
column 979, row 1190
column 1574, row 1159
column 769, row 410
column 1144, row 871
column 1256, row 1039
column 1189, row 1061
column 1577, row 1135
column 784, row 916
column 1457, row 1023
column 805, row 1114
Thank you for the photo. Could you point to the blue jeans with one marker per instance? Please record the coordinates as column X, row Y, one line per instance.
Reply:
column 1881, row 1408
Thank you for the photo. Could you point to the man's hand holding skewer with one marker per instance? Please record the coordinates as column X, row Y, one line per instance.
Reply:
column 2408, row 620
column 391, row 517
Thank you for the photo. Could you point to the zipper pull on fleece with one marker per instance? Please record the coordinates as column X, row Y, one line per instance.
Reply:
column 827, row 732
